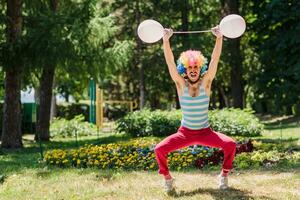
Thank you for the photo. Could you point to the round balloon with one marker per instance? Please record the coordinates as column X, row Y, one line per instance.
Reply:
column 232, row 26
column 150, row 31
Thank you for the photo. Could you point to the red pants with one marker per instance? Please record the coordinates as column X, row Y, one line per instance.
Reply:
column 187, row 137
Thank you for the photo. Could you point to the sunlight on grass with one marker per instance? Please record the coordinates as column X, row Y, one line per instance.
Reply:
column 23, row 177
column 94, row 184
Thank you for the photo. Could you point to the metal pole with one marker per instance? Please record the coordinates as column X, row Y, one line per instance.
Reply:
column 131, row 106
column 41, row 147
column 76, row 138
column 280, row 132
column 39, row 138
column 101, row 108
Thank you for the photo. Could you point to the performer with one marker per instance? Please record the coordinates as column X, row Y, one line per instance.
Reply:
column 193, row 82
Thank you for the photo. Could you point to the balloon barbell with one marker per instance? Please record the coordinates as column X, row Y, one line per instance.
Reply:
column 231, row 26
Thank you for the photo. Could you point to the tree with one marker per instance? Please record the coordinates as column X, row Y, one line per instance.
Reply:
column 73, row 36
column 275, row 35
column 45, row 91
column 11, row 60
column 235, row 58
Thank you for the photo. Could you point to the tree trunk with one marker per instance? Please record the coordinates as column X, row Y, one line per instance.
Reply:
column 43, row 121
column 185, row 22
column 11, row 127
column 213, row 101
column 184, row 37
column 236, row 74
column 177, row 100
column 46, row 85
column 235, row 59
column 223, row 100
column 138, row 60
column 142, row 87
column 11, row 132
column 53, row 102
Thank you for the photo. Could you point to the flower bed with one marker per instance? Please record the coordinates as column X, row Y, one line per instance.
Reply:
column 138, row 154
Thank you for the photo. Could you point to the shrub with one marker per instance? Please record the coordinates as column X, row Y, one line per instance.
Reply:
column 69, row 128
column 135, row 123
column 163, row 123
column 70, row 111
column 234, row 122
column 267, row 159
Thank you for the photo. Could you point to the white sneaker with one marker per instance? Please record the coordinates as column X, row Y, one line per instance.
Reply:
column 170, row 185
column 223, row 182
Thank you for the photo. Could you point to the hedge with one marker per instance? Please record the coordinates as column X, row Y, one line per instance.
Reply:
column 229, row 121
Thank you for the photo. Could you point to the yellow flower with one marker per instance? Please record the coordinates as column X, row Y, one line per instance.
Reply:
column 152, row 165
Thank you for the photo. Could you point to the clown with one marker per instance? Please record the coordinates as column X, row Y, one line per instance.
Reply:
column 190, row 59
column 193, row 80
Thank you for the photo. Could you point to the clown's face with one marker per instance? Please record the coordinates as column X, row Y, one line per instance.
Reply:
column 193, row 73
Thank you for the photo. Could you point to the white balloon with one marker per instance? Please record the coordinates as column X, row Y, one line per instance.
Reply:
column 150, row 31
column 232, row 26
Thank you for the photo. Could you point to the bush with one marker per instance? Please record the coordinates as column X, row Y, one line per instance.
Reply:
column 267, row 159
column 69, row 128
column 69, row 111
column 234, row 122
column 163, row 123
column 149, row 123
column 114, row 112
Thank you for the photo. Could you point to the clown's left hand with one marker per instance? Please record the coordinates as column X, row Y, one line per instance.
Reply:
column 216, row 31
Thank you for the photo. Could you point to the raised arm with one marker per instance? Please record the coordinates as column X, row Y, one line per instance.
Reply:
column 213, row 65
column 169, row 57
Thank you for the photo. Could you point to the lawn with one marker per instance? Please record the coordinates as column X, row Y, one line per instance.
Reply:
column 23, row 177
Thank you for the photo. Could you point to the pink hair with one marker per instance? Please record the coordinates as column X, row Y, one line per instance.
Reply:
column 191, row 58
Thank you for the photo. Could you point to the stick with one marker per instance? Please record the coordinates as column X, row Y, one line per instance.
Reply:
column 183, row 32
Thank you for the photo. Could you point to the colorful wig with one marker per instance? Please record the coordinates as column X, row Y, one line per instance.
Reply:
column 191, row 58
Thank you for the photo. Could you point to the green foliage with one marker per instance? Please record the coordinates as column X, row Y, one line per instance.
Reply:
column 136, row 154
column 69, row 111
column 135, row 123
column 234, row 122
column 1, row 117
column 70, row 128
column 163, row 123
column 275, row 30
column 79, row 39
column 268, row 159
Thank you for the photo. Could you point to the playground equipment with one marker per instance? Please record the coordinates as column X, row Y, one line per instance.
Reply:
column 97, row 104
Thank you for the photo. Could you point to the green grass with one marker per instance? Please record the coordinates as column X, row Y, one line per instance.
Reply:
column 121, row 185
column 282, row 128
column 23, row 177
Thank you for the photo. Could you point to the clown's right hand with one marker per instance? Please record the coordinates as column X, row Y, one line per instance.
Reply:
column 167, row 34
